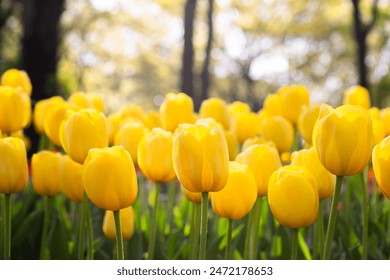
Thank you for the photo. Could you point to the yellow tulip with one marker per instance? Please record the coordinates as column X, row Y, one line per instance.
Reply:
column 109, row 178
column 293, row 196
column 15, row 110
column 17, row 79
column 20, row 134
column 245, row 125
column 378, row 125
column 232, row 143
column 256, row 140
column 176, row 109
column 237, row 198
column 385, row 114
column 292, row 98
column 40, row 110
column 71, row 182
column 342, row 139
column 238, row 107
column 127, row 217
column 152, row 119
column 155, row 155
column 46, row 168
column 357, row 95
column 278, row 130
column 13, row 165
column 306, row 121
column 129, row 136
column 86, row 101
column 201, row 157
column 195, row 197
column 53, row 118
column 113, row 125
column 215, row 108
column 325, row 180
column 381, row 165
column 272, row 105
column 80, row 131
column 263, row 160
column 132, row 111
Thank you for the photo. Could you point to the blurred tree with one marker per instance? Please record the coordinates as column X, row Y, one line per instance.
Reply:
column 40, row 50
column 187, row 79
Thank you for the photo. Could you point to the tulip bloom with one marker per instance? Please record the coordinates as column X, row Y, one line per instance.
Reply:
column 238, row 107
column 293, row 196
column 109, row 178
column 71, row 182
column 40, row 110
column 263, row 160
column 245, row 125
column 357, row 95
column 272, row 105
column 81, row 131
column 46, row 169
column 127, row 217
column 378, row 125
column 278, row 130
column 201, row 157
column 237, row 198
column 342, row 139
column 256, row 140
column 86, row 101
column 385, row 115
column 232, row 143
column 325, row 180
column 195, row 197
column 132, row 111
column 152, row 119
column 215, row 108
column 15, row 110
column 306, row 121
column 176, row 109
column 17, row 79
column 13, row 165
column 381, row 165
column 129, row 135
column 155, row 155
column 292, row 98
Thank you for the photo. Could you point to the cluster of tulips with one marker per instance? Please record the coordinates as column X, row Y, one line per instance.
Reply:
column 290, row 155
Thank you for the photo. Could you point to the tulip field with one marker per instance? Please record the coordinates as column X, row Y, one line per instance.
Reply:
column 295, row 180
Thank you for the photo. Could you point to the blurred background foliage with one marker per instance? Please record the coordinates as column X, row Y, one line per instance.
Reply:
column 132, row 51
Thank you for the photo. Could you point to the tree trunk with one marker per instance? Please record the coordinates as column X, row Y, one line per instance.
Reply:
column 187, row 84
column 40, row 49
column 205, row 75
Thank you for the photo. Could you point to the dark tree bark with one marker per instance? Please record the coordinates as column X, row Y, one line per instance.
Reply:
column 361, row 31
column 40, row 49
column 205, row 75
column 187, row 83
column 6, row 9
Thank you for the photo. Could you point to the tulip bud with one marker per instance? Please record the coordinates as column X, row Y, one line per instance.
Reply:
column 40, row 110
column 86, row 101
column 109, row 178
column 385, row 114
column 263, row 160
column 132, row 111
column 272, row 105
column 201, row 157
column 129, row 136
column 13, row 165
column 232, row 143
column 357, row 95
column 195, row 197
column 238, row 107
column 127, row 217
column 342, row 139
column 215, row 108
column 155, row 155
column 237, row 198
column 292, row 98
column 256, row 140
column 81, row 131
column 325, row 180
column 278, row 130
column 245, row 125
column 381, row 165
column 176, row 109
column 15, row 78
column 293, row 196
column 46, row 168
column 71, row 182
column 306, row 121
column 152, row 119
column 15, row 110
column 378, row 125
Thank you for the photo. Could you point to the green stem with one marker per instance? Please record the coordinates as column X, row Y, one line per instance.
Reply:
column 195, row 230
column 88, row 221
column 229, row 239
column 120, row 251
column 48, row 200
column 294, row 243
column 7, row 226
column 249, row 225
column 364, row 214
column 203, row 226
column 82, row 221
column 254, row 235
column 320, row 232
column 332, row 219
column 170, row 204
column 153, row 226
